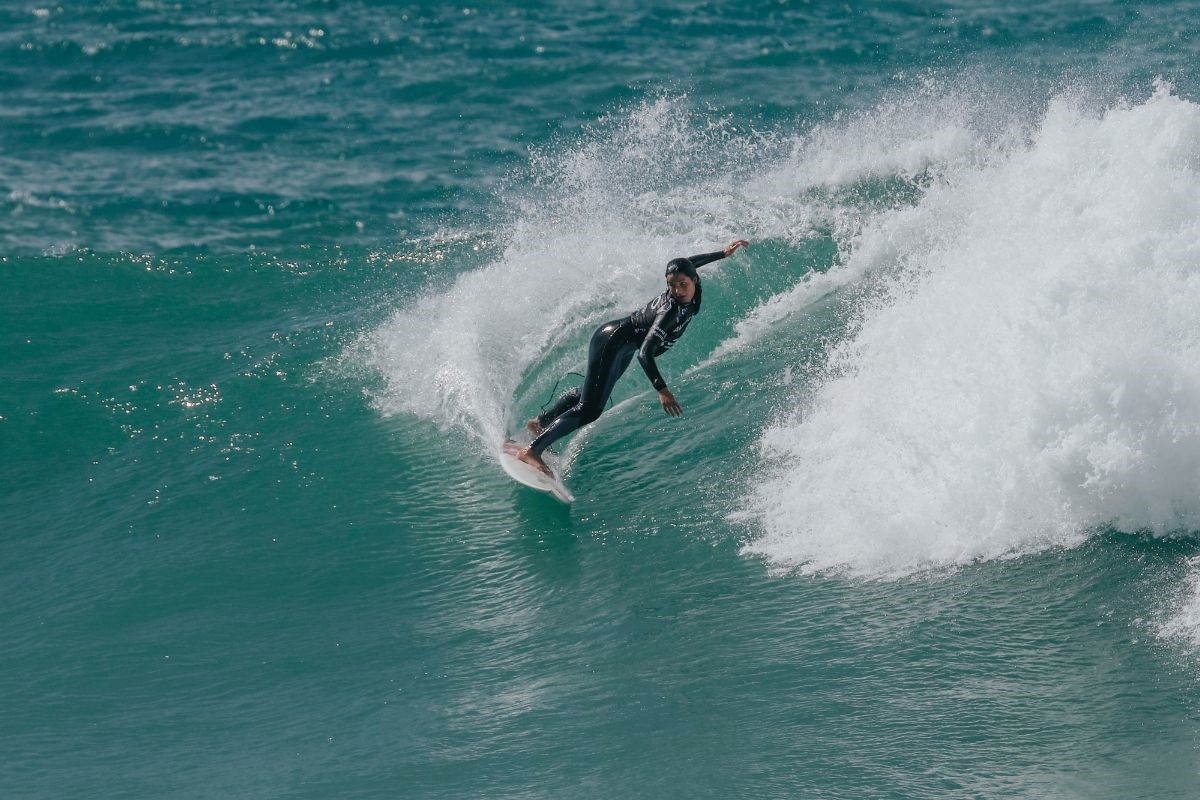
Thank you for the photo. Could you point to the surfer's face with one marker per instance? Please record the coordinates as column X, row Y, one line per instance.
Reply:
column 682, row 287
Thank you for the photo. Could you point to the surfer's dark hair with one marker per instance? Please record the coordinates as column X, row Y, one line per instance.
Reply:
column 684, row 266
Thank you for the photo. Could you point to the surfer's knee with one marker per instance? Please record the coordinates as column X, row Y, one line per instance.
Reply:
column 568, row 400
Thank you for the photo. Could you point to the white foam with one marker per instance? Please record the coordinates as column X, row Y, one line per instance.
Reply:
column 920, row 136
column 1033, row 369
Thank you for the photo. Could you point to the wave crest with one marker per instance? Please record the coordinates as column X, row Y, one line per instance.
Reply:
column 1031, row 370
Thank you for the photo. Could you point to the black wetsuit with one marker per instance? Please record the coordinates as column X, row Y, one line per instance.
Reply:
column 648, row 332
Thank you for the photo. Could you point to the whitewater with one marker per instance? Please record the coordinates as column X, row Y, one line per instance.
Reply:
column 1020, row 298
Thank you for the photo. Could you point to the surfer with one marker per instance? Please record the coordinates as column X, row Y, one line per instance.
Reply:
column 648, row 332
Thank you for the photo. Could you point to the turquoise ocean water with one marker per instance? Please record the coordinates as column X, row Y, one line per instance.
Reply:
column 277, row 278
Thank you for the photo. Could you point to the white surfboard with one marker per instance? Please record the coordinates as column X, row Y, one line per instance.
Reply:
column 531, row 476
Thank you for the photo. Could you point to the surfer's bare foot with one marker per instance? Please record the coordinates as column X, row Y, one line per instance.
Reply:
column 533, row 460
column 534, row 427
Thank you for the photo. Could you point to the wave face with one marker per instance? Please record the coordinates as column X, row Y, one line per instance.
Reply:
column 577, row 253
column 589, row 230
column 1013, row 362
column 1026, row 369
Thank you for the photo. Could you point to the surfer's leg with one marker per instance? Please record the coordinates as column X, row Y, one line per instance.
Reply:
column 608, row 355
column 542, row 421
column 593, row 402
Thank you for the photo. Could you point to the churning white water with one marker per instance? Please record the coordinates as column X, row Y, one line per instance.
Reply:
column 1031, row 369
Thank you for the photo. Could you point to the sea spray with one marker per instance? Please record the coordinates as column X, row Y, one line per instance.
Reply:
column 590, row 230
column 858, row 175
column 1183, row 623
column 1030, row 371
column 592, row 223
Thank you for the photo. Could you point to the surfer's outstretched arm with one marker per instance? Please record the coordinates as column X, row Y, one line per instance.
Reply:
column 654, row 338
column 733, row 246
column 645, row 356
column 708, row 258
column 646, row 359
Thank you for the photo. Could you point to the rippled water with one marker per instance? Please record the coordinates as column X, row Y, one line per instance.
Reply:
column 278, row 278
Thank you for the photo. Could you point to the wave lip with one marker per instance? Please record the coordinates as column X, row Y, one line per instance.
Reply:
column 1030, row 370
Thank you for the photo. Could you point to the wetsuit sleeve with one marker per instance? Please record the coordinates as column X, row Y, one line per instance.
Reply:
column 654, row 337
column 706, row 258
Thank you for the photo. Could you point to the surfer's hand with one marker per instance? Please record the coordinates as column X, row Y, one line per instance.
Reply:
column 670, row 404
column 734, row 245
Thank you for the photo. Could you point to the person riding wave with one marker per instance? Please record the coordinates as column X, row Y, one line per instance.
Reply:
column 648, row 333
